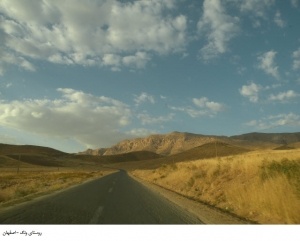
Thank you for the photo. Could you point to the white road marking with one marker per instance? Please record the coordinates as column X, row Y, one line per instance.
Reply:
column 97, row 214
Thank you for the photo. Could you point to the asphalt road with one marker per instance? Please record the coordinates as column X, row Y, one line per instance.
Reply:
column 113, row 199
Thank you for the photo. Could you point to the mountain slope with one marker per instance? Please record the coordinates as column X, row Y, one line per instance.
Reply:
column 205, row 151
column 209, row 150
column 167, row 144
column 177, row 142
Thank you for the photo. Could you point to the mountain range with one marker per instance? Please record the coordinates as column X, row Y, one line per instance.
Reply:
column 163, row 148
column 178, row 142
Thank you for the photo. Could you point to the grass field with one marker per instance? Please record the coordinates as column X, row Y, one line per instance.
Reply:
column 263, row 186
column 31, row 182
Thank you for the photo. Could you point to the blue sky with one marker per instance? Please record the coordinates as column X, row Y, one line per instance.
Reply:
column 87, row 74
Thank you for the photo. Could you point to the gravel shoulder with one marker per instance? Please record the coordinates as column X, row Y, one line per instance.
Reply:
column 207, row 214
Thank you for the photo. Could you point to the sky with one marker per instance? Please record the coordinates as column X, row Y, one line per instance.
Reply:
column 87, row 74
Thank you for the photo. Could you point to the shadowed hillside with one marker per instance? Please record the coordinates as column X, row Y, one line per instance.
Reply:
column 209, row 150
column 39, row 160
column 30, row 156
column 36, row 156
column 8, row 162
column 6, row 149
column 295, row 145
column 126, row 157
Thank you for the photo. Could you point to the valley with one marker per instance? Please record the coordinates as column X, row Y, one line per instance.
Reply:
column 253, row 177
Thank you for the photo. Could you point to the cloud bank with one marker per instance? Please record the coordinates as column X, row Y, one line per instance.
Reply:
column 93, row 33
column 91, row 120
column 274, row 121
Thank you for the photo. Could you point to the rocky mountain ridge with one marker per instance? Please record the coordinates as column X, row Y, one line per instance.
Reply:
column 177, row 142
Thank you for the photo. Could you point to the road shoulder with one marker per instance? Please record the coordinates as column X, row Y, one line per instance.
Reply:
column 207, row 214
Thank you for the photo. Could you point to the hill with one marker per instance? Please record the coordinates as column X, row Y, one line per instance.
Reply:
column 37, row 156
column 129, row 157
column 276, row 138
column 209, row 150
column 6, row 149
column 8, row 162
column 205, row 151
column 29, row 156
column 175, row 146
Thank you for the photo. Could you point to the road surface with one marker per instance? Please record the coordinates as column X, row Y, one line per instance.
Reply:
column 113, row 199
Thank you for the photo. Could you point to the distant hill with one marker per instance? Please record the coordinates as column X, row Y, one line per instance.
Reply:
column 129, row 157
column 172, row 147
column 177, row 142
column 277, row 138
column 36, row 156
column 6, row 149
column 29, row 155
column 94, row 152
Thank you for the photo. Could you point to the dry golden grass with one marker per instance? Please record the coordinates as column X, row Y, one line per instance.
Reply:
column 263, row 186
column 15, row 186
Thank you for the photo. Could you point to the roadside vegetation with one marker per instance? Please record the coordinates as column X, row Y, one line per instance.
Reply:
column 23, row 185
column 262, row 186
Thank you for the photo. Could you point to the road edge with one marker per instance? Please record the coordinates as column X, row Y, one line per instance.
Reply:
column 206, row 213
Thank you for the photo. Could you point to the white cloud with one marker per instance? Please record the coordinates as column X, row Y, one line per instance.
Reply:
column 7, row 58
column 87, row 33
column 273, row 121
column 112, row 60
column 278, row 20
column 219, row 28
column 91, row 120
column 251, row 91
column 8, row 85
column 136, row 61
column 202, row 107
column 295, row 3
column 256, row 10
column 146, row 119
column 267, row 63
column 60, row 59
column 140, row 132
column 296, row 59
column 144, row 97
column 139, row 60
column 257, row 7
column 284, row 96
column 192, row 112
column 209, row 105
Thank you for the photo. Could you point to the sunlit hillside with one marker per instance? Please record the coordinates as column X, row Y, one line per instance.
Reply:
column 263, row 186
